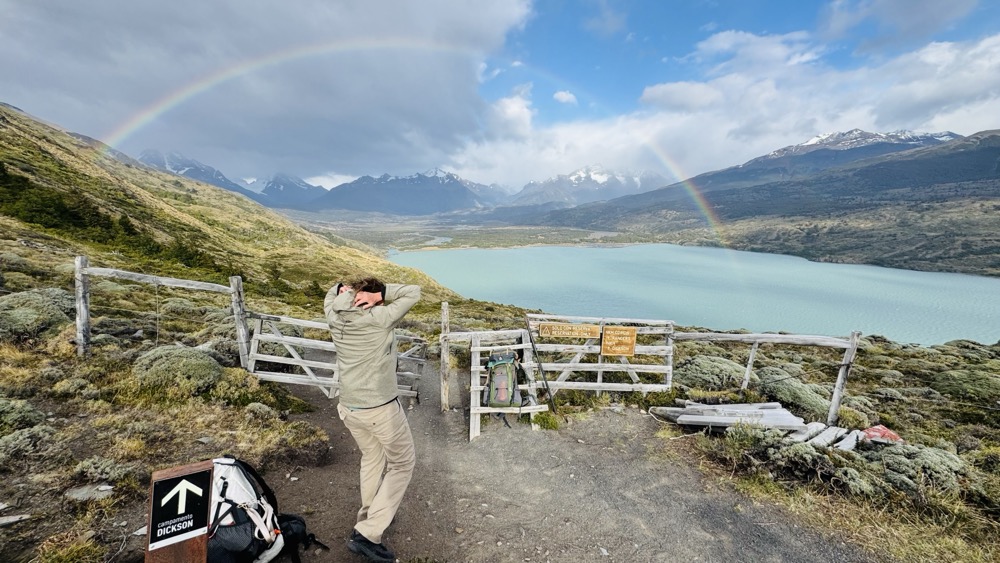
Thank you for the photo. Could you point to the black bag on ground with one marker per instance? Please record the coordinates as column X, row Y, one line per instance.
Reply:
column 297, row 536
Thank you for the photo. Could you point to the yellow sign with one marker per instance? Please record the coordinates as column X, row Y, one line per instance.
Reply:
column 568, row 330
column 618, row 341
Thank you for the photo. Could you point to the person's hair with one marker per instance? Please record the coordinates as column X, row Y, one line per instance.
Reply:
column 371, row 285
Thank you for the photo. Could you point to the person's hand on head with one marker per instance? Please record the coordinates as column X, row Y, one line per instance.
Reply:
column 367, row 299
column 344, row 288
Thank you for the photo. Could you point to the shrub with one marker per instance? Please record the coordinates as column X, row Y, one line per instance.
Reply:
column 24, row 443
column 31, row 313
column 70, row 387
column 171, row 373
column 909, row 467
column 746, row 446
column 99, row 468
column 259, row 412
column 778, row 385
column 968, row 385
column 850, row 418
column 547, row 421
column 710, row 373
column 17, row 415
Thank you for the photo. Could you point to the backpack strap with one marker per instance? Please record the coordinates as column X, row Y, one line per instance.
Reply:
column 268, row 493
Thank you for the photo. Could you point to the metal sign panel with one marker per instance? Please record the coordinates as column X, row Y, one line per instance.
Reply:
column 618, row 341
column 568, row 330
column 179, row 502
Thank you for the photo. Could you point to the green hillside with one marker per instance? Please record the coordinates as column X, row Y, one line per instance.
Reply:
column 71, row 195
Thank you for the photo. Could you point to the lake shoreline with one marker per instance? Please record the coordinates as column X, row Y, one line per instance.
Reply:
column 963, row 314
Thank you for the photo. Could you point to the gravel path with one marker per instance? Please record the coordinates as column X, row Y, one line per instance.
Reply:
column 598, row 489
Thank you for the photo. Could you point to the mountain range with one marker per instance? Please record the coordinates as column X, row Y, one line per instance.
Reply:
column 439, row 192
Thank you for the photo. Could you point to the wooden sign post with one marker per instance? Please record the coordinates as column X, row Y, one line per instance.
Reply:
column 180, row 499
column 618, row 341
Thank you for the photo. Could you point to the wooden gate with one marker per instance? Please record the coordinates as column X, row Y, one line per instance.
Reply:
column 315, row 356
column 599, row 345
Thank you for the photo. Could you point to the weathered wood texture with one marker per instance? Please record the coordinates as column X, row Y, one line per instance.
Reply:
column 445, row 358
column 82, row 282
column 321, row 373
column 810, row 431
column 827, row 437
column 766, row 415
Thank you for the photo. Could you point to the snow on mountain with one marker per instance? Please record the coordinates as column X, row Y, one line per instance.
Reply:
column 856, row 138
column 176, row 163
column 592, row 183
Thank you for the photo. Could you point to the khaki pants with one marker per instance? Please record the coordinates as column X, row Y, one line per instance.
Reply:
column 383, row 436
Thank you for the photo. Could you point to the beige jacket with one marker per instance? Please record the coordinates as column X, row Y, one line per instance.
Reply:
column 366, row 343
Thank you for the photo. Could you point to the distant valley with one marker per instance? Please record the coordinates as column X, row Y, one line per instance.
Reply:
column 902, row 199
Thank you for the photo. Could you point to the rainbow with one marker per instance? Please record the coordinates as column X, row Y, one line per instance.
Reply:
column 173, row 99
column 164, row 104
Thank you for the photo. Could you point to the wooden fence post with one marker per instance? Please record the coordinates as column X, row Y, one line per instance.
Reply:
column 240, row 318
column 82, row 282
column 838, row 389
column 445, row 356
column 746, row 374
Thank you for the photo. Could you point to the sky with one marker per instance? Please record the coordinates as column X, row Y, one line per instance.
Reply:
column 496, row 91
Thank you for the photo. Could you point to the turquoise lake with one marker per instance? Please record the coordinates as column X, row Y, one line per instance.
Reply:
column 720, row 289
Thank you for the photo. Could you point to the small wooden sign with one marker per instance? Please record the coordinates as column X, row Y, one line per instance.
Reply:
column 568, row 330
column 618, row 341
column 180, row 498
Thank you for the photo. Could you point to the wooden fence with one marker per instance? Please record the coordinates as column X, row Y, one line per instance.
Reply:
column 313, row 360
column 588, row 337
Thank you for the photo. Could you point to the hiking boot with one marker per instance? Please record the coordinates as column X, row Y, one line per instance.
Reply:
column 373, row 551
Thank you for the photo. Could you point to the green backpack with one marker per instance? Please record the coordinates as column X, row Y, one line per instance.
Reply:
column 501, row 381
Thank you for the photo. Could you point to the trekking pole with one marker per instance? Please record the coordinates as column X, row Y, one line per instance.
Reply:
column 541, row 372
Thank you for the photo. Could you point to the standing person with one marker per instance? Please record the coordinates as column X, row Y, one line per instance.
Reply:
column 362, row 316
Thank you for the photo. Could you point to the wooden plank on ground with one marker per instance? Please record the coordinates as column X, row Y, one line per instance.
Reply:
column 669, row 413
column 735, row 405
column 780, row 423
column 810, row 431
column 827, row 437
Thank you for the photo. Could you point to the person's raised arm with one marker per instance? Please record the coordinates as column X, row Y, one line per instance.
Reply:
column 398, row 300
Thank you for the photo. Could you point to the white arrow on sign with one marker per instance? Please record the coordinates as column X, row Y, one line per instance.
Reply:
column 181, row 490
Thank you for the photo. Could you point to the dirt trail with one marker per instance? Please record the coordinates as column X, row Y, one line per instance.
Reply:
column 595, row 490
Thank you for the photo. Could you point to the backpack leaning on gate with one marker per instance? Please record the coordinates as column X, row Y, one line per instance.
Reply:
column 501, row 385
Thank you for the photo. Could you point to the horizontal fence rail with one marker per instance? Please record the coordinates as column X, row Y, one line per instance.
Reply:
column 323, row 372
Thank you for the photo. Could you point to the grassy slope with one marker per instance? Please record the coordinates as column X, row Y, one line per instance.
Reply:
column 231, row 229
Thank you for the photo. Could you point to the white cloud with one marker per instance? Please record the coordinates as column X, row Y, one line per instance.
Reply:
column 741, row 111
column 681, row 96
column 564, row 97
column 329, row 180
column 511, row 116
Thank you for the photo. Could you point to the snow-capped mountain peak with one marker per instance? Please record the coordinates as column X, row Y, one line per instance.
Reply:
column 858, row 138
